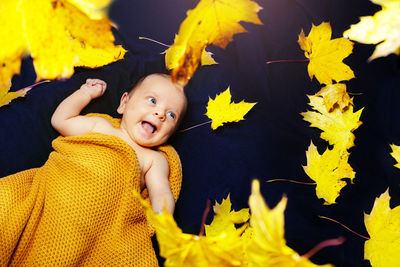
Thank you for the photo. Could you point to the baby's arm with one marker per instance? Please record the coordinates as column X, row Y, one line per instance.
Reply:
column 158, row 185
column 66, row 119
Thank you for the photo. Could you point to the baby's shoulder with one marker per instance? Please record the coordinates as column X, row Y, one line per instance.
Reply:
column 102, row 125
column 156, row 159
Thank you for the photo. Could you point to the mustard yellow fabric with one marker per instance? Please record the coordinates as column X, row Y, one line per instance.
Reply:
column 78, row 208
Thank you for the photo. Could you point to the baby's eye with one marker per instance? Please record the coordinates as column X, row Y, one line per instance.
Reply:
column 171, row 115
column 152, row 100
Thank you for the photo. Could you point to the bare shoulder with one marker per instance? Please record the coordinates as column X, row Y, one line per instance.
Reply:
column 158, row 159
column 102, row 125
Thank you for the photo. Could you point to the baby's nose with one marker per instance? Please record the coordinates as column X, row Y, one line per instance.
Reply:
column 160, row 114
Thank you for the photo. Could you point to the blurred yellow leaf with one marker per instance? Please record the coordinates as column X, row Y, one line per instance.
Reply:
column 335, row 95
column 225, row 218
column 383, row 224
column 13, row 44
column 6, row 96
column 221, row 110
column 210, row 22
column 328, row 170
column 396, row 154
column 57, row 35
column 181, row 250
column 207, row 59
column 326, row 55
column 383, row 28
column 95, row 9
column 268, row 246
column 337, row 126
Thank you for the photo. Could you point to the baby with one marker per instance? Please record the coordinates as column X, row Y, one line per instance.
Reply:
column 150, row 114
column 79, row 208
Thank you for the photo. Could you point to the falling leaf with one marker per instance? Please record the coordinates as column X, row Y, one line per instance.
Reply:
column 225, row 219
column 268, row 246
column 335, row 95
column 396, row 154
column 383, row 28
column 210, row 22
column 6, row 97
column 180, row 249
column 326, row 55
column 383, row 224
column 57, row 35
column 337, row 126
column 221, row 110
column 207, row 59
column 328, row 170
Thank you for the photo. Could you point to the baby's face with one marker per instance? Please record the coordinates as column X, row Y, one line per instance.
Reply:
column 150, row 114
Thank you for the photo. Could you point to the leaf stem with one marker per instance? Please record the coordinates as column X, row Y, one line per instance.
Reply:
column 204, row 218
column 291, row 181
column 26, row 89
column 154, row 41
column 195, row 126
column 287, row 60
column 347, row 228
column 327, row 243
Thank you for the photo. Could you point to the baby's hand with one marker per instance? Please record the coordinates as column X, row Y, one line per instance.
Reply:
column 94, row 87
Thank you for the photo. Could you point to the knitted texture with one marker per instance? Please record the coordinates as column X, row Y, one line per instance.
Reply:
column 78, row 208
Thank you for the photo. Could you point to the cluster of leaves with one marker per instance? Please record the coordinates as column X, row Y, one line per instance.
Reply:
column 67, row 33
column 259, row 241
column 332, row 110
column 73, row 33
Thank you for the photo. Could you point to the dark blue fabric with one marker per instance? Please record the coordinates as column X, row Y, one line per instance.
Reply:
column 269, row 144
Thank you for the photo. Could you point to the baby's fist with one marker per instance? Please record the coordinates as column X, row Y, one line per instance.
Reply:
column 94, row 87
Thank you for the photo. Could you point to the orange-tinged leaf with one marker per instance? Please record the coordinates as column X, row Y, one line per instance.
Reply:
column 326, row 55
column 268, row 246
column 335, row 95
column 57, row 35
column 383, row 29
column 337, row 126
column 181, row 250
column 210, row 22
column 221, row 109
column 328, row 170
column 396, row 154
column 383, row 224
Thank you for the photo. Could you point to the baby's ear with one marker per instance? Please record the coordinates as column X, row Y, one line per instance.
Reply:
column 122, row 103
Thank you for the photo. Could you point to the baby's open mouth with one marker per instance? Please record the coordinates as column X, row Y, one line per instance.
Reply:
column 148, row 127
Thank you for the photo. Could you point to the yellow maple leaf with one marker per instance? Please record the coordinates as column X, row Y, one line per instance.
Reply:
column 326, row 55
column 383, row 224
column 337, row 126
column 181, row 250
column 328, row 170
column 335, row 95
column 225, row 218
column 268, row 246
column 58, row 39
column 172, row 56
column 221, row 109
column 383, row 28
column 396, row 154
column 210, row 22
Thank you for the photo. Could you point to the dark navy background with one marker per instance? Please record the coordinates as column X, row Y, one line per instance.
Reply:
column 269, row 144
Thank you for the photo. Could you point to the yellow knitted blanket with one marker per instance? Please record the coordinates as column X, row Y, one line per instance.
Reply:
column 78, row 208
